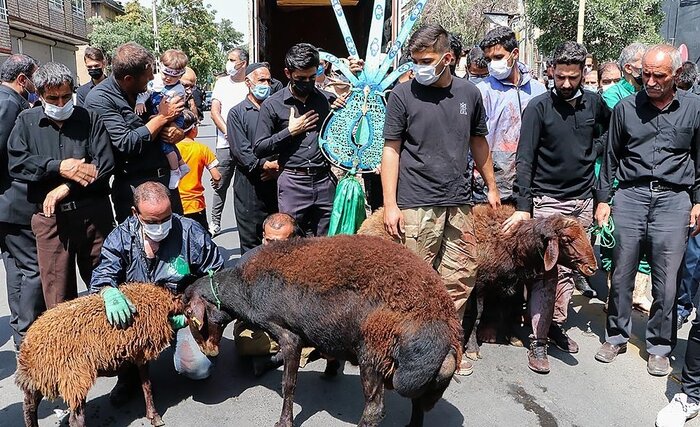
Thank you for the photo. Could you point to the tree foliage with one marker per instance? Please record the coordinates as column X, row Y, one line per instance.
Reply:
column 188, row 25
column 609, row 25
column 465, row 17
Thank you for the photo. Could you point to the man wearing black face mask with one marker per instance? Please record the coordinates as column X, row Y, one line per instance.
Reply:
column 560, row 138
column 631, row 64
column 288, row 125
column 95, row 63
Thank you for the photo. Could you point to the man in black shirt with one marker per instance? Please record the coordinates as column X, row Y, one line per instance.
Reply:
column 255, row 182
column 289, row 125
column 654, row 151
column 95, row 63
column 24, row 295
column 431, row 123
column 560, row 139
column 64, row 154
column 137, row 154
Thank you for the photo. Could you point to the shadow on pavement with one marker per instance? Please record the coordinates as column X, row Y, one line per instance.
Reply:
column 5, row 330
column 8, row 363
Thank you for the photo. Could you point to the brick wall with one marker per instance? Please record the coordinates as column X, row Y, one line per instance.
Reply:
column 5, row 42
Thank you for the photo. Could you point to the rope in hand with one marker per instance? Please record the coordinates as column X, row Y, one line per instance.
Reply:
column 214, row 289
column 607, row 242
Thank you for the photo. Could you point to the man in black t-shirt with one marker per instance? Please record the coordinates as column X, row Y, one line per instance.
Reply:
column 431, row 123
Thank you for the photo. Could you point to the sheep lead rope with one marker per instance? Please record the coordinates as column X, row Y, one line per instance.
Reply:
column 214, row 289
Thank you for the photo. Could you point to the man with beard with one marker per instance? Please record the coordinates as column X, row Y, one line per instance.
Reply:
column 631, row 64
column 652, row 151
column 559, row 142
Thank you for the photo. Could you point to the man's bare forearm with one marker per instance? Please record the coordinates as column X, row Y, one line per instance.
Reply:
column 390, row 171
column 483, row 160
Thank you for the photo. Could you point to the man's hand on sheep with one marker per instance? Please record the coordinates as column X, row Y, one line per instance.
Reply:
column 120, row 311
column 178, row 321
column 393, row 221
column 509, row 225
column 694, row 222
column 602, row 213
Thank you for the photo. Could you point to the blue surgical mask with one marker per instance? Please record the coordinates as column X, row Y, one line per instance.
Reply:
column 58, row 113
column 320, row 70
column 261, row 92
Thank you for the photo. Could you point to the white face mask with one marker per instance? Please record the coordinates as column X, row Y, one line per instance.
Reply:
column 231, row 69
column 592, row 88
column 500, row 69
column 426, row 74
column 157, row 232
column 58, row 113
column 475, row 79
column 606, row 87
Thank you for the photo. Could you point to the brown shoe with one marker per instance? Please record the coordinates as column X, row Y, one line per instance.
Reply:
column 658, row 366
column 537, row 357
column 558, row 337
column 608, row 352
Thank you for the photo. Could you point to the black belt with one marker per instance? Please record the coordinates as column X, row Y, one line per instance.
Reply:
column 307, row 171
column 655, row 185
column 150, row 173
column 78, row 204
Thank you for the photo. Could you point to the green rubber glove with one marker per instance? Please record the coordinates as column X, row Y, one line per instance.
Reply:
column 178, row 321
column 120, row 311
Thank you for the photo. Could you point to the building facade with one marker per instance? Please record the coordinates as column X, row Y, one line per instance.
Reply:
column 47, row 30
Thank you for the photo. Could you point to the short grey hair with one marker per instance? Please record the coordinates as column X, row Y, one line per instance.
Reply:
column 52, row 74
column 150, row 191
column 676, row 61
column 630, row 52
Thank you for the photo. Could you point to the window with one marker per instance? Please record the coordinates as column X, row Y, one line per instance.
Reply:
column 3, row 11
column 78, row 7
column 56, row 5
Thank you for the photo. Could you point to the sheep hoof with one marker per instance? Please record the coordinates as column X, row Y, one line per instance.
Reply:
column 473, row 355
column 157, row 421
column 516, row 342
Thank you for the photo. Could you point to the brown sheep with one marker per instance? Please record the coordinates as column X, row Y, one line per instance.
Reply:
column 506, row 264
column 72, row 344
column 356, row 298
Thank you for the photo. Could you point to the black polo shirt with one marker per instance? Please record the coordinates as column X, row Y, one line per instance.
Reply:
column 647, row 144
column 558, row 146
column 135, row 153
column 273, row 137
column 14, row 207
column 82, row 92
column 37, row 146
column 241, row 125
column 435, row 126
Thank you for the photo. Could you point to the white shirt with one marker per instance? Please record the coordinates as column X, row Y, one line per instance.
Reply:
column 229, row 94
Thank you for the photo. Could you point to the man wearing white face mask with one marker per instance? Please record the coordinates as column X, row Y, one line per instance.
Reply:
column 154, row 245
column 505, row 93
column 64, row 155
column 255, row 183
column 433, row 123
column 228, row 92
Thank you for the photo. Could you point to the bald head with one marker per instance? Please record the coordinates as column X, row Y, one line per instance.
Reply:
column 189, row 78
column 660, row 64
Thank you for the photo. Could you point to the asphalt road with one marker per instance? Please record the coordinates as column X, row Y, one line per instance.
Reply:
column 502, row 391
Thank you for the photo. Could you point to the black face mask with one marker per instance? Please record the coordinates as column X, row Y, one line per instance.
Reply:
column 303, row 88
column 95, row 73
column 638, row 80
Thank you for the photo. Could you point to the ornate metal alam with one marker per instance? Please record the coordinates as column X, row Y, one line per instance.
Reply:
column 351, row 138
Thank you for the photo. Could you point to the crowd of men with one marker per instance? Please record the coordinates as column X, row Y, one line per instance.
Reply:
column 86, row 182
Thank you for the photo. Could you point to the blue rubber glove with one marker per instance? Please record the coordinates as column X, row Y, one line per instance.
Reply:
column 178, row 321
column 120, row 311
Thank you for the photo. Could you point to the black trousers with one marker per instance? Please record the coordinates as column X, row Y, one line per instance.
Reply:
column 24, row 293
column 253, row 201
column 691, row 370
column 201, row 218
column 655, row 223
column 308, row 198
column 123, row 195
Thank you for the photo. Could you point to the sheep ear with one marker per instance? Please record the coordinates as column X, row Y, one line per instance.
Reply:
column 551, row 254
column 196, row 312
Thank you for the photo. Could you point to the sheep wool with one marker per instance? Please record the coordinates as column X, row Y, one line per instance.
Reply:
column 72, row 344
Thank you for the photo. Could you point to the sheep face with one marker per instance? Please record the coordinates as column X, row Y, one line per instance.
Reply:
column 570, row 246
column 205, row 320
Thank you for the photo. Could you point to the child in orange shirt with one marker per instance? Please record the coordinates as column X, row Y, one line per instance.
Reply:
column 197, row 156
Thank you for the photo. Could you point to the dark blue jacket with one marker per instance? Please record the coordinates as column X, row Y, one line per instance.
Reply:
column 186, row 254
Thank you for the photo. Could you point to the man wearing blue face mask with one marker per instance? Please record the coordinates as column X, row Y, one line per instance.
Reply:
column 505, row 93
column 64, row 155
column 154, row 245
column 255, row 183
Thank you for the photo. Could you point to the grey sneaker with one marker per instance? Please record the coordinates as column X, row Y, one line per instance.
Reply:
column 677, row 412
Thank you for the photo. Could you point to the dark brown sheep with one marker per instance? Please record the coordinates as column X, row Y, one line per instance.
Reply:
column 356, row 298
column 72, row 344
column 506, row 264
